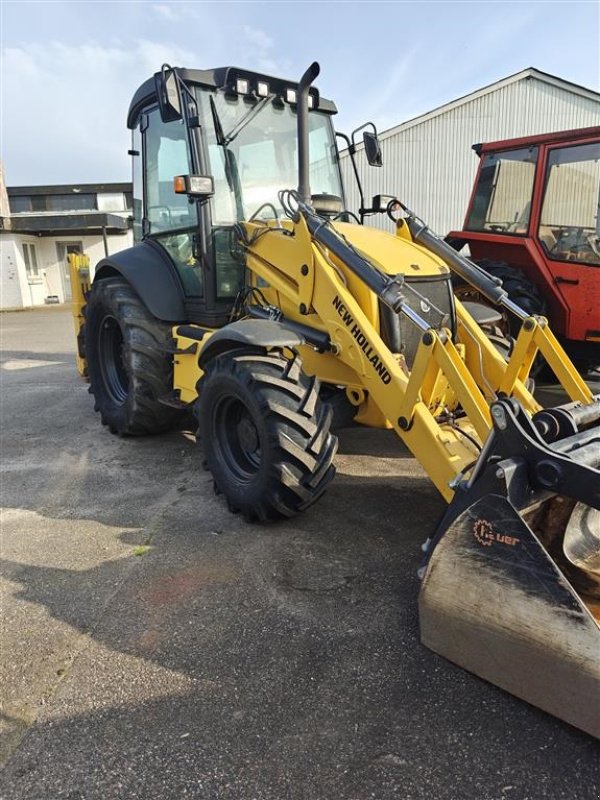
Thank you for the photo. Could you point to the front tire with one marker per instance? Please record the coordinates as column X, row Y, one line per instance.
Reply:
column 128, row 365
column 265, row 434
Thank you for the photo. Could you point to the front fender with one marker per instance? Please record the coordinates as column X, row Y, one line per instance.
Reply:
column 257, row 333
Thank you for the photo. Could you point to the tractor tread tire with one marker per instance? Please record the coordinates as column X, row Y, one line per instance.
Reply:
column 520, row 288
column 145, row 359
column 292, row 426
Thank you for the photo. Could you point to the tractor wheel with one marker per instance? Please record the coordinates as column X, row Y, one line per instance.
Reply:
column 520, row 289
column 129, row 368
column 265, row 434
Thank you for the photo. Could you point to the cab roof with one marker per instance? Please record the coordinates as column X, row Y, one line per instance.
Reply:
column 557, row 137
column 218, row 78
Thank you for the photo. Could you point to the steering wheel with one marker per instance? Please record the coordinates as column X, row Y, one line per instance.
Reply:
column 563, row 236
column 593, row 240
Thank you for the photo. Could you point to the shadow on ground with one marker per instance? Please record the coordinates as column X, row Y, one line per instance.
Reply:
column 235, row 661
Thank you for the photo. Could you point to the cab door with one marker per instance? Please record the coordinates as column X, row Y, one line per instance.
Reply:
column 160, row 214
column 569, row 233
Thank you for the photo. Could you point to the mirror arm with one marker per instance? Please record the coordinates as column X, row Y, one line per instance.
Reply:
column 351, row 152
column 361, row 128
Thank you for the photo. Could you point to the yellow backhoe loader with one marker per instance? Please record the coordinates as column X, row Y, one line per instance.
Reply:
column 255, row 299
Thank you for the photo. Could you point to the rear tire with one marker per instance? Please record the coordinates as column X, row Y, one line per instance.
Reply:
column 520, row 289
column 265, row 434
column 128, row 365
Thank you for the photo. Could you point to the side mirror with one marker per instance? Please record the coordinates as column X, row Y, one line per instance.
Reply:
column 202, row 186
column 167, row 90
column 372, row 149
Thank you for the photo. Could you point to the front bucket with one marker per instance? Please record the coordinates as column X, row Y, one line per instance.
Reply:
column 494, row 602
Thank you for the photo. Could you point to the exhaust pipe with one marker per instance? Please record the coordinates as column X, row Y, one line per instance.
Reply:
column 302, row 111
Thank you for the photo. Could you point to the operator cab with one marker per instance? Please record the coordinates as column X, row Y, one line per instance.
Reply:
column 567, row 224
column 212, row 148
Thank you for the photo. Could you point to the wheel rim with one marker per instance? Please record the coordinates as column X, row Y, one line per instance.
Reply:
column 112, row 364
column 237, row 438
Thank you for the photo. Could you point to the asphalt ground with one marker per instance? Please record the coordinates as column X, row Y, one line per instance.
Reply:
column 156, row 646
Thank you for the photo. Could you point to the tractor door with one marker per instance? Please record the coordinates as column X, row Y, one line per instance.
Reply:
column 159, row 213
column 180, row 225
column 568, row 233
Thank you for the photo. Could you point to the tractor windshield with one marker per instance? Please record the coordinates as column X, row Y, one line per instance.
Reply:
column 253, row 154
column 502, row 199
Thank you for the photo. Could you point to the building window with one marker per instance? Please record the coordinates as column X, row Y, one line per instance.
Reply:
column 31, row 263
column 25, row 202
column 38, row 202
column 19, row 203
column 71, row 202
column 113, row 201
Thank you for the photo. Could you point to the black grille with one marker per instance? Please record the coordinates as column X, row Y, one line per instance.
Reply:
column 403, row 336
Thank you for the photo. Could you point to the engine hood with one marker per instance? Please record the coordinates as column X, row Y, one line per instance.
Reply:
column 390, row 253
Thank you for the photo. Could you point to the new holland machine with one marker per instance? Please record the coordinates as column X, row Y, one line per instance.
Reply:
column 254, row 299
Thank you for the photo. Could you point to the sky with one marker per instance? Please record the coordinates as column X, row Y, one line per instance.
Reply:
column 69, row 69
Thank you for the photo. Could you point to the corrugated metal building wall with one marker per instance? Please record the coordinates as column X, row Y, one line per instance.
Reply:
column 428, row 161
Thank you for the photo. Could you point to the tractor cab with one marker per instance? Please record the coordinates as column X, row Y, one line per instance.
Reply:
column 534, row 222
column 212, row 148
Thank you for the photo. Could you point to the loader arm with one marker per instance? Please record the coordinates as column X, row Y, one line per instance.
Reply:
column 278, row 259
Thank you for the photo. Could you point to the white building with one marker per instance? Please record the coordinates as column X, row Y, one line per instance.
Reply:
column 41, row 225
column 428, row 162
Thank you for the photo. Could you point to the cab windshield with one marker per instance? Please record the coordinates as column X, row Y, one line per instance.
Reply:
column 502, row 199
column 253, row 155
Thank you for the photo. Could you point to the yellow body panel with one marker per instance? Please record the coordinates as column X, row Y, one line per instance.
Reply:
column 186, row 371
column 79, row 274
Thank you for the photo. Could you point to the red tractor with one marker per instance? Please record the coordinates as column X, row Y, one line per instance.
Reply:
column 534, row 222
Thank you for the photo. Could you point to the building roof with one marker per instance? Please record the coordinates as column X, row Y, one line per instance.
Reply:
column 556, row 137
column 81, row 223
column 525, row 74
column 69, row 188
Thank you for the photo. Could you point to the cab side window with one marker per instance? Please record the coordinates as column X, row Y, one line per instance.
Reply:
column 170, row 218
column 570, row 221
column 165, row 156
